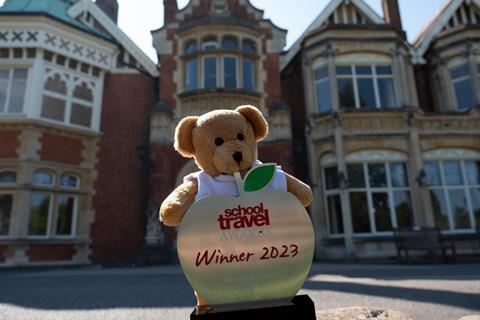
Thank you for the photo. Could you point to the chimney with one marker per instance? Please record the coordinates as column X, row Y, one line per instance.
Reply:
column 110, row 7
column 391, row 13
column 170, row 8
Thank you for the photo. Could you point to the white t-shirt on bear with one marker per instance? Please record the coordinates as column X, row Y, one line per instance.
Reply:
column 224, row 185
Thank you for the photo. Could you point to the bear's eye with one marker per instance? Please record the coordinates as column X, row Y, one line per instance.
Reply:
column 240, row 136
column 218, row 142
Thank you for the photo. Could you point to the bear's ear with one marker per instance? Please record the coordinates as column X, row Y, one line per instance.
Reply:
column 183, row 136
column 256, row 119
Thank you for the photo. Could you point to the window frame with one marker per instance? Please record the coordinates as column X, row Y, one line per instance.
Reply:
column 445, row 188
column 8, row 184
column 316, row 82
column 11, row 70
column 374, row 76
column 8, row 192
column 454, row 81
column 237, row 74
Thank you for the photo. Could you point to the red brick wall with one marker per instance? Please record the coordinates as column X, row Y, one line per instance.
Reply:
column 9, row 143
column 120, row 201
column 272, row 85
column 278, row 152
column 57, row 252
column 62, row 149
column 293, row 94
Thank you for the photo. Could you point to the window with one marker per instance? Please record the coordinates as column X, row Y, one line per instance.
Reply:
column 210, row 72
column 379, row 197
column 191, row 75
column 191, row 47
column 12, row 90
column 248, row 46
column 68, row 99
column 365, row 87
column 454, row 192
column 249, row 75
column 229, row 43
column 463, row 87
column 209, row 43
column 322, row 89
column 6, row 203
column 230, row 72
column 52, row 213
column 7, row 177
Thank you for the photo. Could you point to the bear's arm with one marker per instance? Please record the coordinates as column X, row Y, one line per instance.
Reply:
column 177, row 203
column 300, row 190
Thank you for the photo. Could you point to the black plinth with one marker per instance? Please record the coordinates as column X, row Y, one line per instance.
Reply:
column 301, row 308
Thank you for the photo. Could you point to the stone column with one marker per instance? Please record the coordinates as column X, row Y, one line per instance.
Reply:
column 399, row 77
column 421, row 203
column 311, row 154
column 344, row 195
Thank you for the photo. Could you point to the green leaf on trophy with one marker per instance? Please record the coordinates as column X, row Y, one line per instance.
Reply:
column 259, row 177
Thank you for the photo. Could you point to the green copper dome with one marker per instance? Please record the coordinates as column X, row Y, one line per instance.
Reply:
column 57, row 9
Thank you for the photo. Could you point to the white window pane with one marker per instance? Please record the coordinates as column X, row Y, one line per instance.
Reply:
column 464, row 94
column 403, row 208
column 210, row 73
column 335, row 214
column 346, row 94
column 324, row 96
column 43, row 178
column 439, row 206
column 66, row 205
column 83, row 92
column 452, row 173
column 432, row 173
column 39, row 209
column 359, row 205
column 81, row 115
column 366, row 93
column 386, row 93
column 398, row 174
column 6, row 202
column 458, row 205
column 230, row 72
column 473, row 172
column 20, row 74
column 377, row 175
column 248, row 75
column 4, row 74
column 68, row 180
column 53, row 108
column 381, row 211
column 17, row 96
column 191, row 75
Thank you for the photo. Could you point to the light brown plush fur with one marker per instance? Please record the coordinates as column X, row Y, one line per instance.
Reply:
column 239, row 131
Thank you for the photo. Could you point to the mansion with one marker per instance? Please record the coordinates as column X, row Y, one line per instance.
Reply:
column 385, row 131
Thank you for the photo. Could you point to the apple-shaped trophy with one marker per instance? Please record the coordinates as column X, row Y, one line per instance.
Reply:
column 248, row 256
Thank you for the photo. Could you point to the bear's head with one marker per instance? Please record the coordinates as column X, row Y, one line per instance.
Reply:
column 222, row 141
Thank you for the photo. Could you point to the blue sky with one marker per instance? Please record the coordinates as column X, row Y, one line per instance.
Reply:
column 138, row 17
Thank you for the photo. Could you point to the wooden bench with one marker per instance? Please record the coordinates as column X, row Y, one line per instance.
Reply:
column 421, row 239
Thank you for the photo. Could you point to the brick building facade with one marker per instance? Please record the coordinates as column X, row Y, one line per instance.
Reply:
column 386, row 132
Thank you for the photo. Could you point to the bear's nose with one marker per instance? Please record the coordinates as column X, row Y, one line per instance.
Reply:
column 237, row 156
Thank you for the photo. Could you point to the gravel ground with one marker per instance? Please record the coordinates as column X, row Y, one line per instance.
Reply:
column 440, row 292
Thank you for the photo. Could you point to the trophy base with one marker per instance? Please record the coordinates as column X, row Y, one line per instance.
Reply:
column 300, row 308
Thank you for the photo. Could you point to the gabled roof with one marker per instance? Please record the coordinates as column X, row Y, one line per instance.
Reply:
column 424, row 39
column 114, row 31
column 322, row 18
column 56, row 9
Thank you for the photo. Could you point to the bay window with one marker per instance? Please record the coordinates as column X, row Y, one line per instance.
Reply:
column 53, row 214
column 12, row 90
column 379, row 195
column 364, row 86
column 454, row 192
column 463, row 87
column 229, row 66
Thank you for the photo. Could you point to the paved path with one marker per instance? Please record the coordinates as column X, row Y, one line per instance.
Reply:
column 440, row 292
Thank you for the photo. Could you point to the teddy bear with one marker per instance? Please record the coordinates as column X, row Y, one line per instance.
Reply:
column 222, row 142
